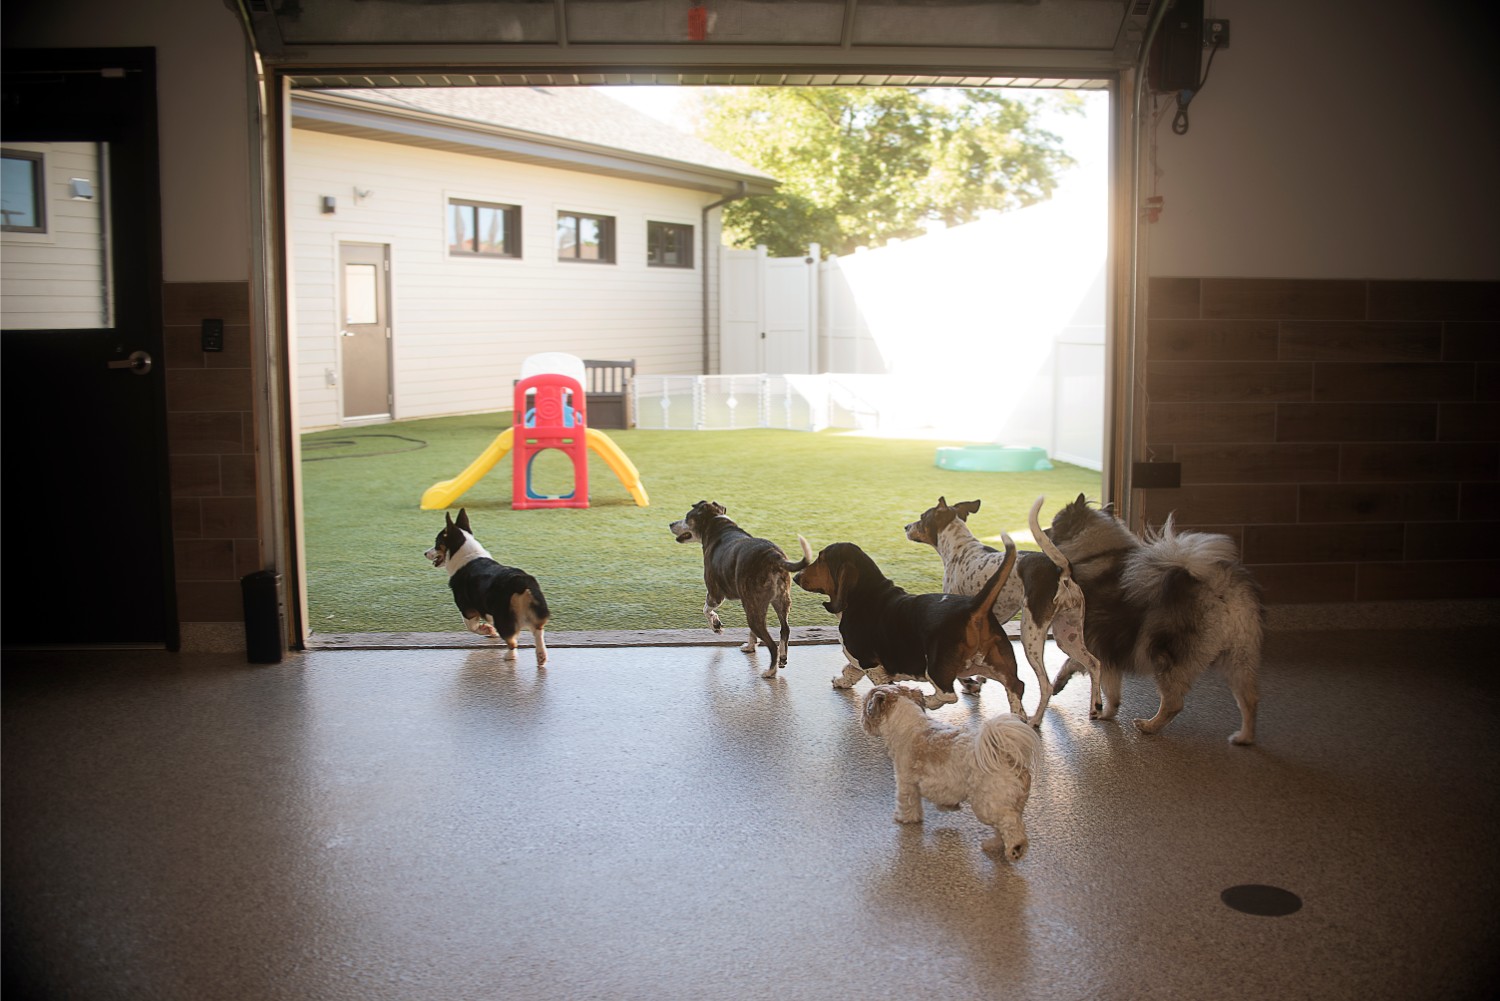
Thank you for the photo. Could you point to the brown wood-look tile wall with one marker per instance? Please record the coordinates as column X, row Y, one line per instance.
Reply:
column 1345, row 433
column 211, row 443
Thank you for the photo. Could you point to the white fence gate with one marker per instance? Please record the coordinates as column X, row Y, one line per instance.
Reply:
column 768, row 312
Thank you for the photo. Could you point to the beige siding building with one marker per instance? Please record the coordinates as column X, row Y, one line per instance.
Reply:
column 502, row 223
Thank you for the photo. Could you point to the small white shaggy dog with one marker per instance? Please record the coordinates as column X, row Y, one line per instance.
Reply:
column 989, row 767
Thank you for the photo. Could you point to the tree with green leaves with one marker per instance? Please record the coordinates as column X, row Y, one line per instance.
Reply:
column 860, row 166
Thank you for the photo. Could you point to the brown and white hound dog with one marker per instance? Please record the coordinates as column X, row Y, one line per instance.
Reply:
column 890, row 635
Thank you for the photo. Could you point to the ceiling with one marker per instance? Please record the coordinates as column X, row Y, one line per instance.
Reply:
column 389, row 43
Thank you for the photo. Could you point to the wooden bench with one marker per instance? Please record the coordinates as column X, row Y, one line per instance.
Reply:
column 608, row 392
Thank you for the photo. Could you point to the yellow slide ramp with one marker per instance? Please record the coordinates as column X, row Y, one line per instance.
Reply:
column 619, row 463
column 442, row 495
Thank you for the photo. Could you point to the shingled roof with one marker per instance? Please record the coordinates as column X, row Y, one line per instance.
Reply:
column 576, row 115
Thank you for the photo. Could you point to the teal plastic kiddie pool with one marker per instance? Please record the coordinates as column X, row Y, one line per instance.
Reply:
column 991, row 459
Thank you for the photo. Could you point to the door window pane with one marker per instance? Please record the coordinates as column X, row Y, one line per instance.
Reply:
column 58, row 272
column 361, row 302
column 20, row 192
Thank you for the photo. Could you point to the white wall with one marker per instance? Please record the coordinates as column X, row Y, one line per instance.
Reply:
column 1309, row 151
column 204, row 116
column 461, row 327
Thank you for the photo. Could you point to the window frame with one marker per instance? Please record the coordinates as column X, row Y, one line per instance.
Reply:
column 655, row 226
column 607, row 240
column 38, row 162
column 512, row 214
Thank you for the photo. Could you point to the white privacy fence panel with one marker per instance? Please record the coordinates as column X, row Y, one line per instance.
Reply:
column 989, row 332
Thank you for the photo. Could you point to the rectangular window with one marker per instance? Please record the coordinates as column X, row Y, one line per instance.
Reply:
column 669, row 245
column 481, row 229
column 582, row 237
column 22, row 190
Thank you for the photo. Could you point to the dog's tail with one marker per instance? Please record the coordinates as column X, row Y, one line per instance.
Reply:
column 539, row 607
column 991, row 590
column 804, row 562
column 1180, row 573
column 1006, row 744
column 1045, row 541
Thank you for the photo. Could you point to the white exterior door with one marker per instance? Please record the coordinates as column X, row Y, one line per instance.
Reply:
column 365, row 333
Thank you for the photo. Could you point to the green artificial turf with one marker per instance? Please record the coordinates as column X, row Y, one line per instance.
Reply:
column 614, row 565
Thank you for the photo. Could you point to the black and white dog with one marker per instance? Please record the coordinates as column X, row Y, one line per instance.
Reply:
column 495, row 600
column 738, row 565
column 1167, row 605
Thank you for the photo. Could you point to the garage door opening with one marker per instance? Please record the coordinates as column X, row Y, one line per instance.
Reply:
column 486, row 240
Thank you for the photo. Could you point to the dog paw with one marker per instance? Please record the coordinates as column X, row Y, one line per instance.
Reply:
column 486, row 630
column 840, row 683
column 769, row 672
column 747, row 648
column 1238, row 737
column 940, row 700
column 1144, row 725
column 907, row 817
column 1011, row 853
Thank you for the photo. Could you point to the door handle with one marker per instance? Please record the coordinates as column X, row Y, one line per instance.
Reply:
column 139, row 362
column 347, row 333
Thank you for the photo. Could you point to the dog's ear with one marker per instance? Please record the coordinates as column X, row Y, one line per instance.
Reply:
column 942, row 501
column 719, row 508
column 844, row 582
column 1081, row 499
column 463, row 520
column 448, row 520
column 966, row 508
column 877, row 703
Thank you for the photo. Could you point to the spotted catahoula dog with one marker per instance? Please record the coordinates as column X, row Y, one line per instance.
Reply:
column 1042, row 588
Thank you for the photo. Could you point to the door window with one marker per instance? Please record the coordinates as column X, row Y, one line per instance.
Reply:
column 361, row 294
column 55, row 237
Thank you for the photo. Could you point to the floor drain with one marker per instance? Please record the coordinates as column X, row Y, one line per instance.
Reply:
column 1267, row 901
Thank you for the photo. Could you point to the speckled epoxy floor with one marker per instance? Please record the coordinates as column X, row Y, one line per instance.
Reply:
column 662, row 823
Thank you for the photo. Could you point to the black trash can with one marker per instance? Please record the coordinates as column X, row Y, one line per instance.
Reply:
column 261, row 592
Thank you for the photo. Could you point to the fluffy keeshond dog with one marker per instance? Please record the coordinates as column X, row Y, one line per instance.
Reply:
column 1167, row 605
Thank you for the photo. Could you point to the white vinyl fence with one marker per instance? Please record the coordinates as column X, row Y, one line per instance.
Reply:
column 988, row 332
column 788, row 402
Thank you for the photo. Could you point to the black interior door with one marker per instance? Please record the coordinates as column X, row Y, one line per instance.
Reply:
column 86, row 543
